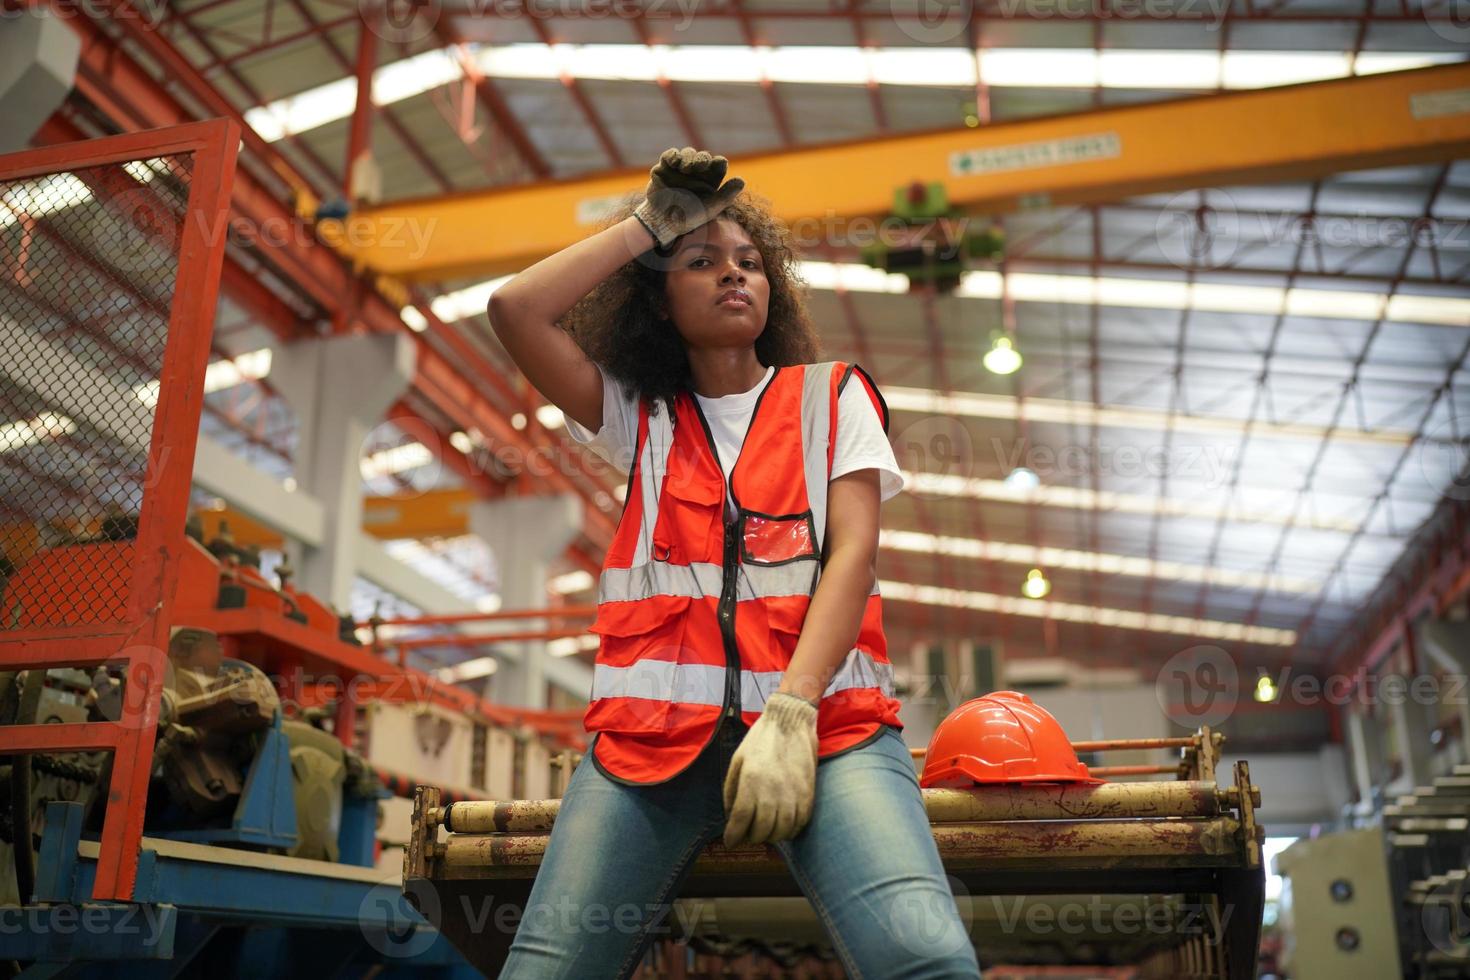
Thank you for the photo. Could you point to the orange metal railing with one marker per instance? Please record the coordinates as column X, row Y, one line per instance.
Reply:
column 110, row 255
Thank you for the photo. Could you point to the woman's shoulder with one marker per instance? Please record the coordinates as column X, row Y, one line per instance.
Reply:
column 841, row 373
column 856, row 374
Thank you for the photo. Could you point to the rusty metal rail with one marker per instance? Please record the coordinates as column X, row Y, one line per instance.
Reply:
column 1112, row 772
column 1052, row 843
column 996, row 803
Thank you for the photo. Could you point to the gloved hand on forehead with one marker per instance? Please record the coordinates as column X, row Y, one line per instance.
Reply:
column 684, row 192
column 772, row 782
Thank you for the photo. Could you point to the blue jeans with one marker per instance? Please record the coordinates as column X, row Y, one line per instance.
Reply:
column 866, row 861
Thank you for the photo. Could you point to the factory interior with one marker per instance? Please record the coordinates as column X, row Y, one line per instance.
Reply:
column 340, row 550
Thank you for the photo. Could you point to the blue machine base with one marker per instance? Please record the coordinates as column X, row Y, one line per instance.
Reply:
column 201, row 911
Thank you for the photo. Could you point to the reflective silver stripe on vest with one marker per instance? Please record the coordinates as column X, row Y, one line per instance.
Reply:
column 756, row 686
column 861, row 670
column 661, row 680
column 653, row 461
column 664, row 680
column 857, row 670
column 703, row 579
column 816, row 387
column 659, row 578
column 765, row 581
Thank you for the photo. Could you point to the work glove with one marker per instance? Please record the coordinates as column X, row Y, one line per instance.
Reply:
column 772, row 780
column 684, row 192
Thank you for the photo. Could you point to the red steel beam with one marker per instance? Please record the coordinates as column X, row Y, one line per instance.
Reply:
column 315, row 29
column 574, row 89
column 451, row 457
column 676, row 101
column 500, row 112
column 1435, row 583
column 534, row 438
column 875, row 93
column 305, row 262
column 328, row 176
column 768, row 87
column 116, row 83
column 360, row 128
column 388, row 115
column 439, row 380
column 1041, row 14
column 133, row 25
column 108, row 78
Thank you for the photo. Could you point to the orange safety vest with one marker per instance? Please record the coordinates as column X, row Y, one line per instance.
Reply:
column 699, row 615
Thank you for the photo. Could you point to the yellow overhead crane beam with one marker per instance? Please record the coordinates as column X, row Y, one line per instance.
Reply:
column 1292, row 132
column 436, row 514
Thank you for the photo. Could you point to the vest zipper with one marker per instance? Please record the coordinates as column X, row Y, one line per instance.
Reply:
column 727, row 624
column 726, row 609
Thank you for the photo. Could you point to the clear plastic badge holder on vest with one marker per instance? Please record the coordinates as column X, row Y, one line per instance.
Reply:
column 768, row 540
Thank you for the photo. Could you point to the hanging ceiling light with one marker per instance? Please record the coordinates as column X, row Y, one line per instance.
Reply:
column 1022, row 478
column 1036, row 586
column 1002, row 358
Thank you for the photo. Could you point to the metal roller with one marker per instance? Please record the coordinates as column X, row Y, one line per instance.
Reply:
column 1065, row 843
column 1002, row 802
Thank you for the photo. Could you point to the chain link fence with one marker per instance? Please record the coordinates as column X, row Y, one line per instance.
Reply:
column 89, row 262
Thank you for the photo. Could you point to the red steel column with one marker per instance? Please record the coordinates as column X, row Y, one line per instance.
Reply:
column 360, row 135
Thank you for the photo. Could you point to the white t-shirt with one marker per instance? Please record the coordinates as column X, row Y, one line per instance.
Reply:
column 861, row 442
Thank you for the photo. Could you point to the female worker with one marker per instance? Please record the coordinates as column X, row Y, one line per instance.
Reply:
column 742, row 687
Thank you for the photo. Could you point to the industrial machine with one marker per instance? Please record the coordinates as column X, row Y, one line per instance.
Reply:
column 227, row 767
column 1387, row 900
column 245, row 806
column 262, row 803
column 1427, row 833
column 1166, row 875
column 1337, row 909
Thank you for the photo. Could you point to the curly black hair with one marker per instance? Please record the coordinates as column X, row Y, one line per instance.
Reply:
column 618, row 324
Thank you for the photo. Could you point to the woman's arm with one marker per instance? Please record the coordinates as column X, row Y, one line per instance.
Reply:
column 524, row 314
column 849, row 569
column 771, row 784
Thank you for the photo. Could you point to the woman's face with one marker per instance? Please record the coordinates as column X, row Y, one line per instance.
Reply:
column 716, row 288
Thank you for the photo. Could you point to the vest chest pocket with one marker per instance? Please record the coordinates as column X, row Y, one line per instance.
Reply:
column 785, row 617
column 689, row 528
column 651, row 627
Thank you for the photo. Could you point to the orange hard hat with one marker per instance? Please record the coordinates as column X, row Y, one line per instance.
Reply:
column 1003, row 737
